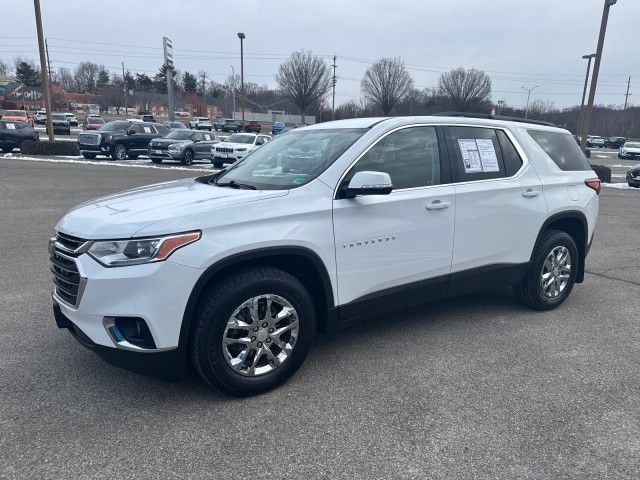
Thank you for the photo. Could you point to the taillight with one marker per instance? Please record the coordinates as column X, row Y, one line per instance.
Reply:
column 595, row 184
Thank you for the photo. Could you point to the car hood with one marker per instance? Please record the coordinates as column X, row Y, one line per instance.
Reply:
column 635, row 169
column 169, row 207
column 631, row 149
column 234, row 145
column 167, row 141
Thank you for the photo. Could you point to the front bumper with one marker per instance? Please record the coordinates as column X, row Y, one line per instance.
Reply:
column 167, row 365
column 155, row 292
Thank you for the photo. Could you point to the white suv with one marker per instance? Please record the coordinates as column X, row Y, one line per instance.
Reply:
column 236, row 147
column 201, row 123
column 237, row 271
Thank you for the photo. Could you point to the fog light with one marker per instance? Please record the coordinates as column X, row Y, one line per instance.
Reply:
column 130, row 332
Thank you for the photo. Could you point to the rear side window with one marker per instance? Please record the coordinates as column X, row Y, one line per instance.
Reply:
column 562, row 149
column 476, row 153
column 512, row 161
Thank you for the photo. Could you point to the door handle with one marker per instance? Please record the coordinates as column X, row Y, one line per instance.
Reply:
column 438, row 205
column 530, row 193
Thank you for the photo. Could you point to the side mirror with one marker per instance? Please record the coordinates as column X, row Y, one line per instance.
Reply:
column 369, row 183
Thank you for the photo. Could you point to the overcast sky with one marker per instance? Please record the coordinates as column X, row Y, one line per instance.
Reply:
column 517, row 42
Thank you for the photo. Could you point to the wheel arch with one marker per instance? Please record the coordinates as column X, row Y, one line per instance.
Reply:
column 575, row 224
column 301, row 262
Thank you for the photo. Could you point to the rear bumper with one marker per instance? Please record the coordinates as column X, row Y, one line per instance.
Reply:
column 166, row 365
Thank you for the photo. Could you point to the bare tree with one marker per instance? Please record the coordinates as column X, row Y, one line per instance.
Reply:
column 465, row 89
column 4, row 68
column 86, row 77
column 303, row 79
column 65, row 78
column 386, row 83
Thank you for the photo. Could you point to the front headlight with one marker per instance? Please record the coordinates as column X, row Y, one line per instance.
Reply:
column 120, row 253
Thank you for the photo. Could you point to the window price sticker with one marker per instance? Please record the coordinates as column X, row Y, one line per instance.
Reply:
column 478, row 155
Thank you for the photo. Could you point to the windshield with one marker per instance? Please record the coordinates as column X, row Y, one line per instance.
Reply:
column 15, row 113
column 57, row 116
column 241, row 138
column 180, row 134
column 293, row 159
column 94, row 120
column 113, row 126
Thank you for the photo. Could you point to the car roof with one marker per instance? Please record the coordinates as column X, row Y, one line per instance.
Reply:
column 432, row 119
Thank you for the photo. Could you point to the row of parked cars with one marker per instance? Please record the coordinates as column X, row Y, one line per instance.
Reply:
column 122, row 139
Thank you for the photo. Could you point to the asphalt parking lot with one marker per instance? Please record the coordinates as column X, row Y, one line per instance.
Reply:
column 473, row 387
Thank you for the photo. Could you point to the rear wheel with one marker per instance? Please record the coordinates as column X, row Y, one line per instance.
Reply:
column 89, row 155
column 187, row 159
column 552, row 273
column 119, row 152
column 253, row 330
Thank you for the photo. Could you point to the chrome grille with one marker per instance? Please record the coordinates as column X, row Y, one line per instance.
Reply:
column 89, row 138
column 224, row 150
column 68, row 284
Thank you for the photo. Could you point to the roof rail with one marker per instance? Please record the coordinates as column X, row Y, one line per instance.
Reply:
column 490, row 116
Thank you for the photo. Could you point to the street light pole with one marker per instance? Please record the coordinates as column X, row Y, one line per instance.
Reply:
column 586, row 124
column 43, row 69
column 529, row 90
column 584, row 92
column 233, row 93
column 241, row 36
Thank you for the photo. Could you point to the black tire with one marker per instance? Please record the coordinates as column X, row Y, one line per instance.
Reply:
column 89, row 155
column 530, row 291
column 132, row 156
column 187, row 158
column 218, row 304
column 156, row 160
column 217, row 163
column 119, row 152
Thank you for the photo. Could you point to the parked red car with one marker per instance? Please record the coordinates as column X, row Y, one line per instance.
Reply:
column 252, row 126
column 92, row 123
column 17, row 116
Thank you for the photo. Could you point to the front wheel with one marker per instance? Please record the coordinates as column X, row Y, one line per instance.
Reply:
column 188, row 158
column 253, row 330
column 119, row 152
column 552, row 272
column 217, row 163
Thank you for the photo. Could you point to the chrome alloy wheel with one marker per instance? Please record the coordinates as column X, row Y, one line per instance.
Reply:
column 260, row 335
column 556, row 271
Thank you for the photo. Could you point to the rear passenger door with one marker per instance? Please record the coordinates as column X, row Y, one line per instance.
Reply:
column 202, row 145
column 500, row 204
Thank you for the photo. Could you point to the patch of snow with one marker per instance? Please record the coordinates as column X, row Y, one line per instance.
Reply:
column 620, row 186
column 108, row 163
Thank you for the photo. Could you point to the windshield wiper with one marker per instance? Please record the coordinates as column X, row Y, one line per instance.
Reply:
column 234, row 184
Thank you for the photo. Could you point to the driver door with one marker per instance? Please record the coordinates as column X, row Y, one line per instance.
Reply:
column 397, row 248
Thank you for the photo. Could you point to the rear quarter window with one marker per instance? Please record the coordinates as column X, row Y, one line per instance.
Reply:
column 562, row 149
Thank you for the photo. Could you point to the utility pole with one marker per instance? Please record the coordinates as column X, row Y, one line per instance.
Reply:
column 242, row 36
column 626, row 95
column 596, row 70
column 529, row 90
column 584, row 91
column 43, row 69
column 624, row 109
column 333, row 86
column 203, row 75
column 124, row 88
column 500, row 104
column 46, row 48
column 233, row 92
column 168, row 63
